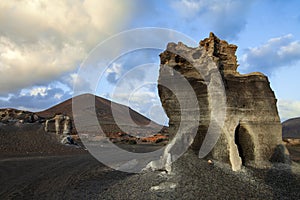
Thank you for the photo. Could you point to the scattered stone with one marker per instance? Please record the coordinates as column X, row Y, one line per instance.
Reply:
column 165, row 186
column 68, row 140
column 210, row 162
column 292, row 141
column 10, row 115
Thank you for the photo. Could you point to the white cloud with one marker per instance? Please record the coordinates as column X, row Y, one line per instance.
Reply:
column 73, row 81
column 38, row 91
column 189, row 8
column 292, row 49
column 226, row 18
column 276, row 52
column 35, row 98
column 136, row 99
column 288, row 109
column 145, row 100
column 116, row 68
column 114, row 72
column 137, row 88
column 58, row 96
column 41, row 40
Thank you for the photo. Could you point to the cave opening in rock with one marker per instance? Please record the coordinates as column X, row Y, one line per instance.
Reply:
column 244, row 143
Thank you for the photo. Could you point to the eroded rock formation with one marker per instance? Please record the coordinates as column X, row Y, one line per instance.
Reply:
column 251, row 133
column 60, row 124
column 13, row 115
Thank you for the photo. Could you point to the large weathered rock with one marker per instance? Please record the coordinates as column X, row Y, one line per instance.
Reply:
column 13, row 115
column 60, row 124
column 251, row 132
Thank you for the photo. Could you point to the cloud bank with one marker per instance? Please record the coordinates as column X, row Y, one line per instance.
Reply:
column 288, row 109
column 42, row 40
column 225, row 18
column 36, row 98
column 276, row 52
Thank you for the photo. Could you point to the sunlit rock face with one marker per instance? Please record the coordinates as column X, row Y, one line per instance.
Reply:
column 60, row 124
column 251, row 132
column 10, row 115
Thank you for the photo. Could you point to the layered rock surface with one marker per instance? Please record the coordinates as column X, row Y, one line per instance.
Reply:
column 60, row 124
column 13, row 115
column 242, row 108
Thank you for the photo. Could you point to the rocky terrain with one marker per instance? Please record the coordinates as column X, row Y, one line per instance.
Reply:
column 83, row 177
column 30, row 139
column 291, row 136
column 57, row 122
column 35, row 165
column 10, row 115
column 52, row 132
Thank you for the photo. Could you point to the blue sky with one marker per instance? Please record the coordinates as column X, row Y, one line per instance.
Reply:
column 40, row 52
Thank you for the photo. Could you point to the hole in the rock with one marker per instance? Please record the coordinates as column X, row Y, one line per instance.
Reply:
column 245, row 144
column 177, row 67
column 177, row 58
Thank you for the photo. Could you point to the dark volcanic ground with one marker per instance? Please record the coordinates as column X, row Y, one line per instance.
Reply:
column 55, row 177
column 33, row 165
column 83, row 177
column 30, row 139
column 194, row 178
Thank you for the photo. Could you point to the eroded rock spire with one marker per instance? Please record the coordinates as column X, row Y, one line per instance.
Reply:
column 251, row 132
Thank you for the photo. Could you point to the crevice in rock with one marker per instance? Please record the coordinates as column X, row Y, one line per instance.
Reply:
column 244, row 144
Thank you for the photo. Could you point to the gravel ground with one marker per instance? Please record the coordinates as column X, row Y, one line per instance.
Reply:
column 31, row 140
column 55, row 177
column 83, row 177
column 33, row 165
column 194, row 178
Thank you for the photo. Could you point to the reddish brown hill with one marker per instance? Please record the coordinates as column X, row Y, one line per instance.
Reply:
column 105, row 111
column 291, row 128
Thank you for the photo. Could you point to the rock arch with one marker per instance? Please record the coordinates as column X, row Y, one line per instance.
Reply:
column 245, row 144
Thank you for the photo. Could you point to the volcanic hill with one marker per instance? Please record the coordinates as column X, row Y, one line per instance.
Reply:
column 106, row 110
column 291, row 128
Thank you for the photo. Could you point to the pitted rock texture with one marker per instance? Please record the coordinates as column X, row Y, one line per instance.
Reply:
column 60, row 124
column 10, row 115
column 251, row 133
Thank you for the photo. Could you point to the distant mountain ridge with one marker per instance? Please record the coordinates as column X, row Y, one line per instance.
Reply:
column 291, row 128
